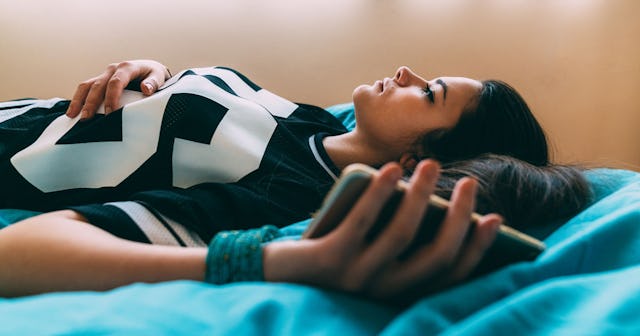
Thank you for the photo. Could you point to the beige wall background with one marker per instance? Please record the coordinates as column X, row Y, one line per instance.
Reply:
column 577, row 62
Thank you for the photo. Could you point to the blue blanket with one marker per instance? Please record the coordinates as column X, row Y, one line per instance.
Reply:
column 587, row 282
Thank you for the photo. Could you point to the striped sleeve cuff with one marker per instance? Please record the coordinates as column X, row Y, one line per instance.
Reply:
column 136, row 222
column 160, row 230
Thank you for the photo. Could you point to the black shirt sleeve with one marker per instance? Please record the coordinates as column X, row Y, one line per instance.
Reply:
column 203, row 211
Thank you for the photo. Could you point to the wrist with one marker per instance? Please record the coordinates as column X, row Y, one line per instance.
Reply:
column 237, row 255
column 274, row 261
column 288, row 261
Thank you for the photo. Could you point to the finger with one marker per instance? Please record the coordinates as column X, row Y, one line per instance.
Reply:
column 473, row 252
column 457, row 220
column 151, row 83
column 404, row 225
column 95, row 96
column 349, row 237
column 433, row 259
column 116, row 85
column 360, row 219
column 94, row 99
column 75, row 106
column 483, row 236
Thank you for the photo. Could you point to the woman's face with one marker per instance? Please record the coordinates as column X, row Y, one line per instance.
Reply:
column 394, row 113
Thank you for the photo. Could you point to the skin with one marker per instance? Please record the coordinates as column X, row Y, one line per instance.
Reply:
column 344, row 260
column 39, row 255
column 108, row 86
column 393, row 113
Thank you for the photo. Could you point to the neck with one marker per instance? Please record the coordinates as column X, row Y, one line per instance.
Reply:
column 351, row 147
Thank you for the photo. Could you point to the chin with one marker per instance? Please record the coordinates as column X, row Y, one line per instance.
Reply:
column 359, row 97
column 362, row 95
column 358, row 91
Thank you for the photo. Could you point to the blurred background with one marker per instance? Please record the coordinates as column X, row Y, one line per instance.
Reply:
column 577, row 62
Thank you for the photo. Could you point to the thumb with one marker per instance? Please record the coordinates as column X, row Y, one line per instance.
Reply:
column 151, row 84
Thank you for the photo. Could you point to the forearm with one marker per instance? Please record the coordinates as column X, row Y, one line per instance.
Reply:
column 58, row 251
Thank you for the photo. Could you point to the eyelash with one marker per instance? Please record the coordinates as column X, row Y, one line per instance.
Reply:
column 428, row 92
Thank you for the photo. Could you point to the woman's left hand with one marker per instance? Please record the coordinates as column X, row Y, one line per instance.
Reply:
column 346, row 260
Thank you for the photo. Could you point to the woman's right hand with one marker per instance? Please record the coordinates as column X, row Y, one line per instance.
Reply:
column 345, row 260
column 108, row 86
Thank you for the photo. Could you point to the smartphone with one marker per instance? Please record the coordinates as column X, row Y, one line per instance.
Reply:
column 509, row 246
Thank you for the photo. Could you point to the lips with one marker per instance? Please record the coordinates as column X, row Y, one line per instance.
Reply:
column 379, row 85
column 387, row 83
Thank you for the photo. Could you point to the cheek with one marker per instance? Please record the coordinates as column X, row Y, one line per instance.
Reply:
column 398, row 130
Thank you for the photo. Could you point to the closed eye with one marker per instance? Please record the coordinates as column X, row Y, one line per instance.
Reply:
column 427, row 91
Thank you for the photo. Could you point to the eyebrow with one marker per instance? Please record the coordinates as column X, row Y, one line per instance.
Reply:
column 445, row 88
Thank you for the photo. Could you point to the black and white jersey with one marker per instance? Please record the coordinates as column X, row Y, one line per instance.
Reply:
column 209, row 151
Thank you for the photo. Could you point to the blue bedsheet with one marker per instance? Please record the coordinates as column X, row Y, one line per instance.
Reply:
column 587, row 282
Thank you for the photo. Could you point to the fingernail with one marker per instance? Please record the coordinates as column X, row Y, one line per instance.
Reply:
column 107, row 109
column 149, row 87
column 83, row 114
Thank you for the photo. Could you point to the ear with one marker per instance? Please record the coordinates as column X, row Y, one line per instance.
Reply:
column 408, row 161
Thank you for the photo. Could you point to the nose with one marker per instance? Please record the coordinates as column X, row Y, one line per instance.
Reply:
column 406, row 77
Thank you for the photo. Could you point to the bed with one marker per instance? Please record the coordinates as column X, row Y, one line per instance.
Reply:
column 587, row 282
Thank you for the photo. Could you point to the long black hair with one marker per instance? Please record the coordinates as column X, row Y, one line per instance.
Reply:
column 499, row 121
column 524, row 194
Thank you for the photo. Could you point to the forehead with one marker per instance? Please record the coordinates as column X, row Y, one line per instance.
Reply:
column 462, row 83
column 460, row 90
